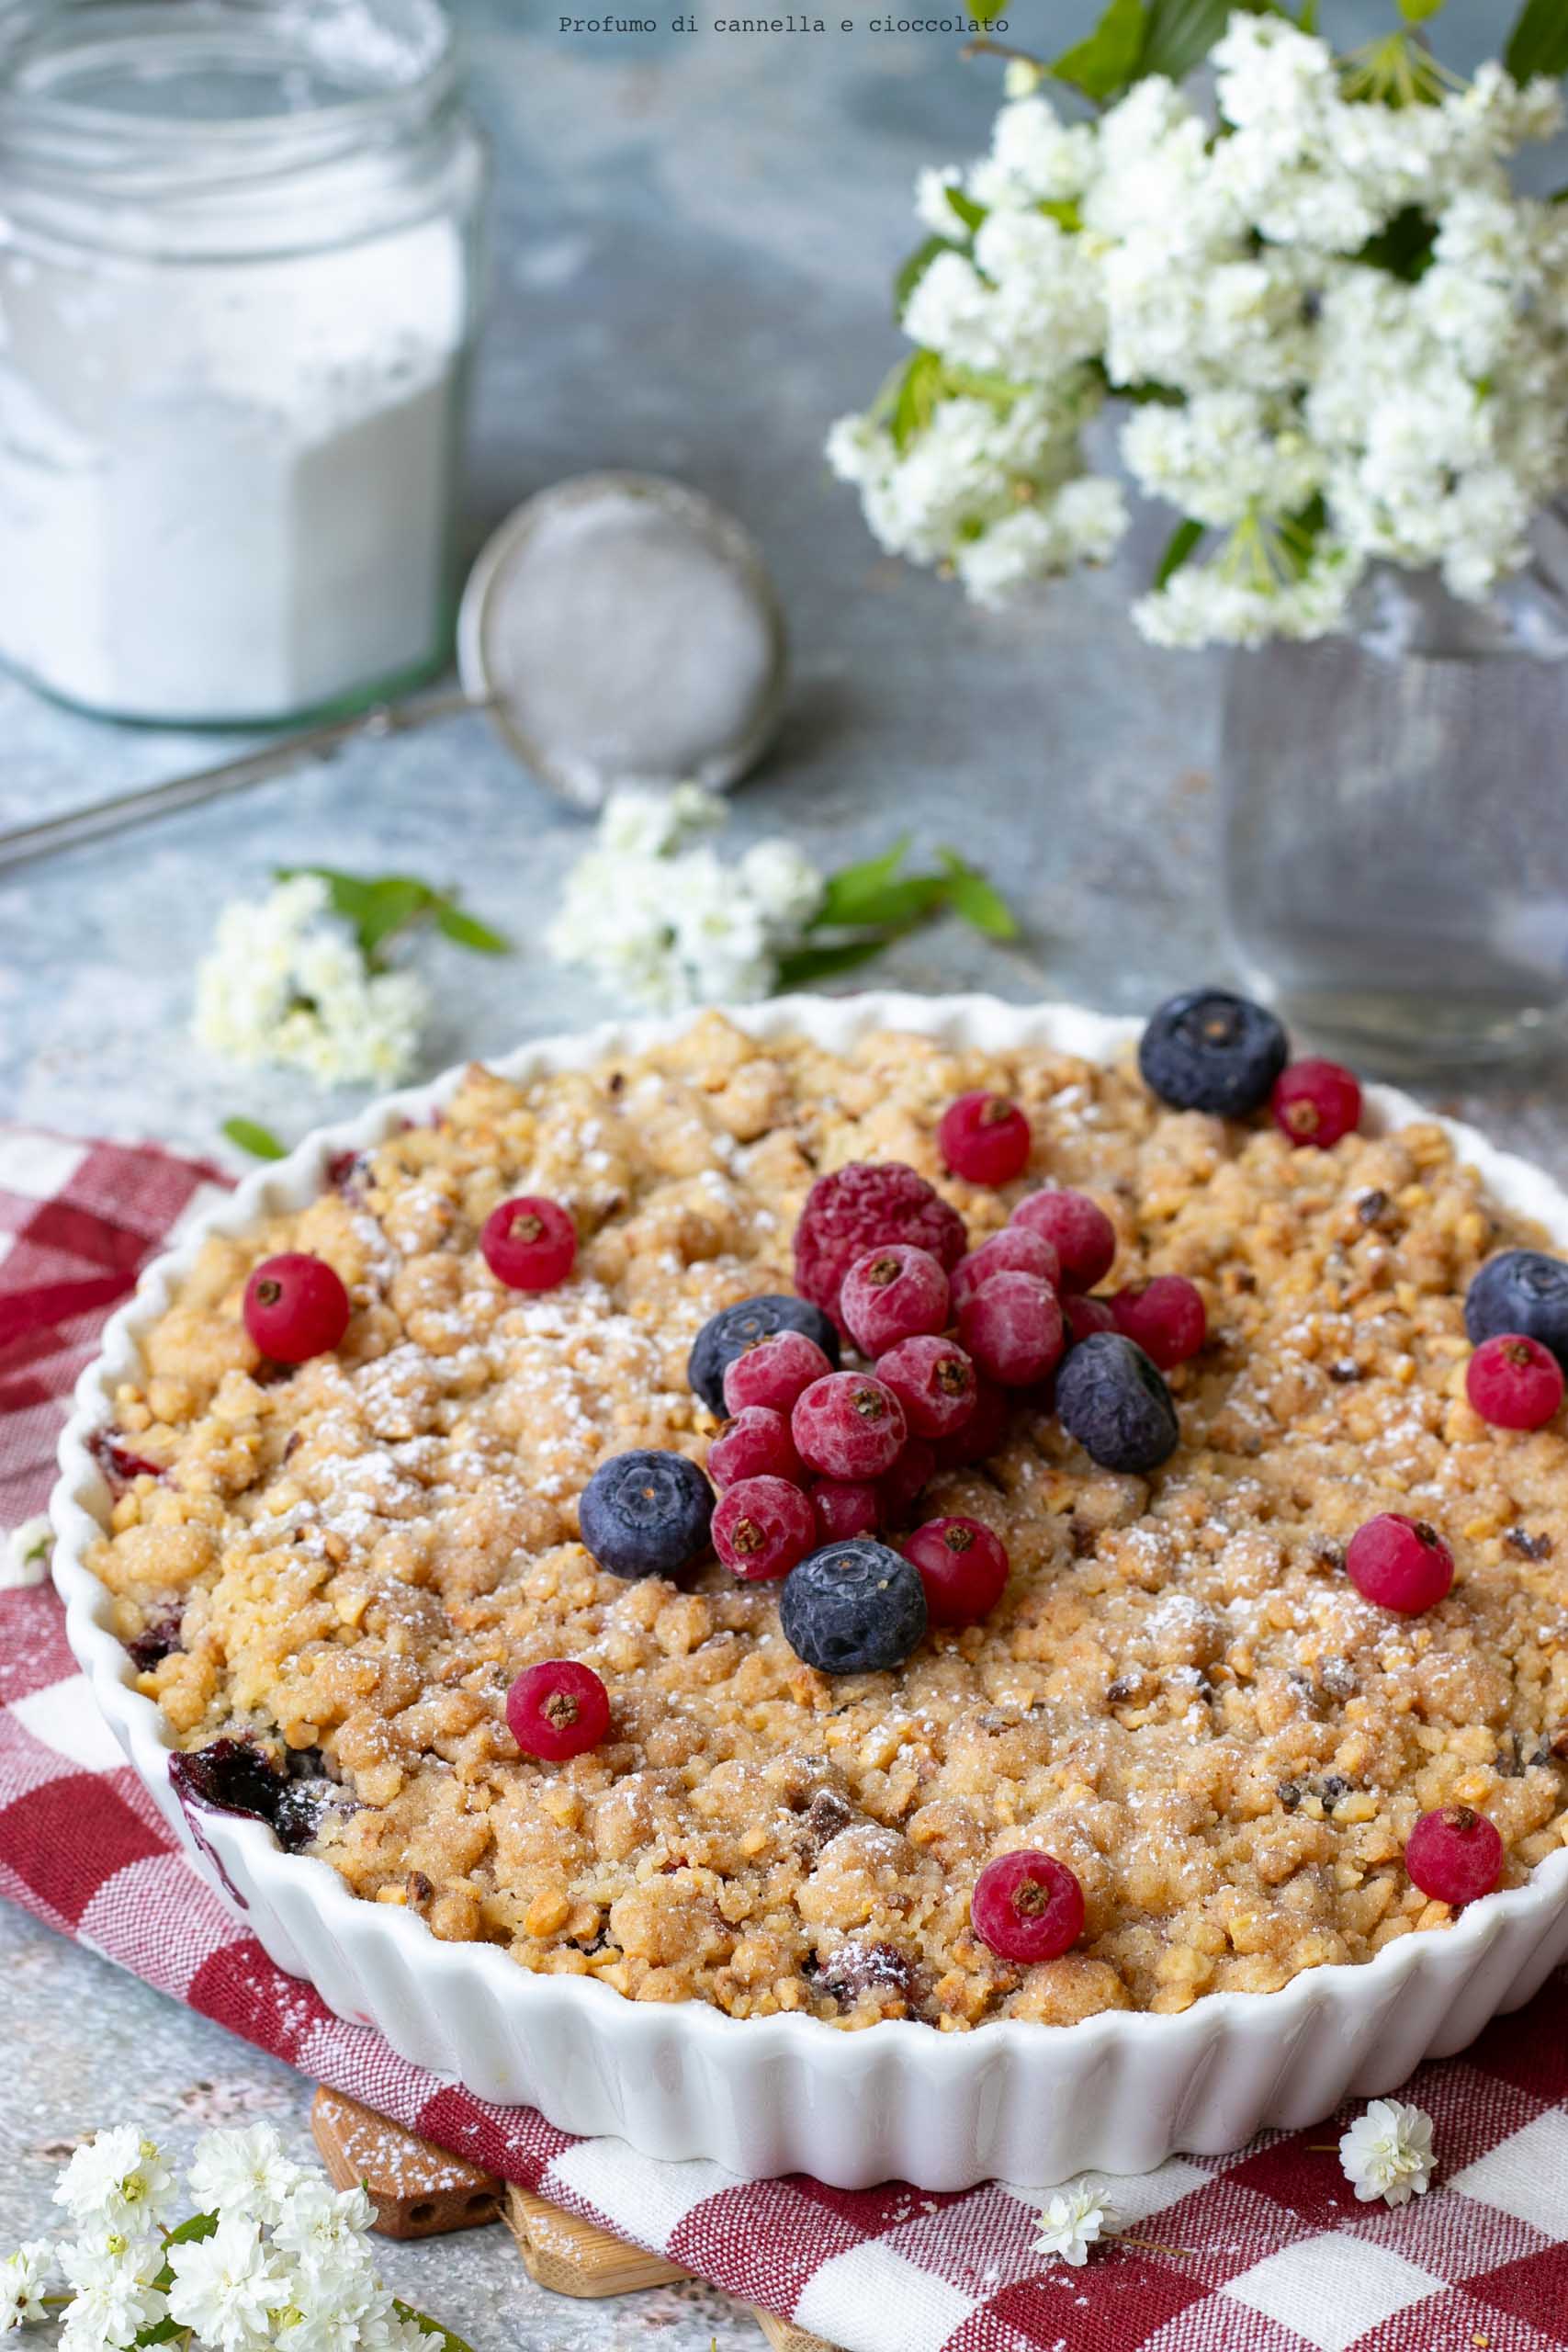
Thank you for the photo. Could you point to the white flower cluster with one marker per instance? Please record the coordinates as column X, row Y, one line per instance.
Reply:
column 654, row 913
column 285, row 981
column 284, row 2266
column 1344, row 337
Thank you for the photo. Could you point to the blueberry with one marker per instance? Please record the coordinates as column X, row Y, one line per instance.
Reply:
column 1114, row 1401
column 1210, row 1051
column 1523, row 1291
column 237, row 1776
column 855, row 1607
column 646, row 1514
column 733, row 1329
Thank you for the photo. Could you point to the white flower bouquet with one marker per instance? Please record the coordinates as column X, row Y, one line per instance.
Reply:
column 1340, row 335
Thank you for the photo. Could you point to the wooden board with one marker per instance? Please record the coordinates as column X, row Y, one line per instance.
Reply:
column 784, row 2336
column 419, row 2191
column 575, row 2257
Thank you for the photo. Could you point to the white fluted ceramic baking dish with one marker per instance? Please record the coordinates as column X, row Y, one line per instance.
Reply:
column 1022, row 2102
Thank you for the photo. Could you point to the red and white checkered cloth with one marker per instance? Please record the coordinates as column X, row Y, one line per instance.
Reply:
column 1275, row 2254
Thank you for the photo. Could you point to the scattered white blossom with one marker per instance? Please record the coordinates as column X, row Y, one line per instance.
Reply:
column 24, row 2280
column 1071, row 2220
column 24, row 1556
column 658, row 915
column 285, row 981
column 1317, row 392
column 117, row 2181
column 1387, row 2153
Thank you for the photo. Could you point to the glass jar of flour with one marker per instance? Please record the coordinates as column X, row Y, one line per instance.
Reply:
column 237, row 293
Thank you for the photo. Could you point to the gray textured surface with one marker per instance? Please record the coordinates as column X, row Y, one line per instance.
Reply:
column 692, row 243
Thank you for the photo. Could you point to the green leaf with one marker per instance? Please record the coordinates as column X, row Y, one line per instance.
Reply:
column 1299, row 534
column 1415, row 12
column 1539, row 43
column 1182, row 32
column 968, row 211
column 984, row 10
column 978, row 901
column 1062, row 208
column 809, row 965
column 1104, row 65
column 914, row 403
column 914, row 269
column 845, row 893
column 1406, row 248
column 466, row 930
column 1182, row 543
column 252, row 1136
column 443, row 2336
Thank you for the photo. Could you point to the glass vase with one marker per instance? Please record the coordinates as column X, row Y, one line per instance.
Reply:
column 1396, row 823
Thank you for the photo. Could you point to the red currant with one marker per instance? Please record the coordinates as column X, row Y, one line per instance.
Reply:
column 845, row 1507
column 1086, row 1315
column 1514, row 1383
column 1316, row 1102
column 295, row 1307
column 1398, row 1563
column 755, row 1444
column 1455, row 1856
column 1078, row 1229
column 1012, row 1326
column 529, row 1243
column 1166, row 1318
column 774, row 1373
column 901, row 1488
column 892, row 1294
column 933, row 1380
column 849, row 1426
column 557, row 1709
column 761, row 1527
column 982, row 1434
column 1014, row 1250
column 1027, row 1906
column 962, row 1567
column 984, row 1138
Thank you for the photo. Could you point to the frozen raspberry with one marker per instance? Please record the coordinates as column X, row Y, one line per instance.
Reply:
column 557, row 1709
column 984, row 1138
column 1165, row 1318
column 1455, row 1856
column 761, row 1527
column 845, row 1507
column 529, row 1243
column 902, row 1486
column 892, row 1293
column 1316, row 1102
column 1012, row 1326
column 849, row 1426
column 933, row 1380
column 755, row 1444
column 862, row 1207
column 1027, row 1906
column 295, row 1308
column 1014, row 1250
column 1514, row 1383
column 774, row 1373
column 962, row 1567
column 1086, row 1315
column 1078, row 1229
column 1399, row 1563
column 982, row 1434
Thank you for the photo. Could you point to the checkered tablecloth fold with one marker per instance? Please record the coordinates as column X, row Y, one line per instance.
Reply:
column 1264, row 2251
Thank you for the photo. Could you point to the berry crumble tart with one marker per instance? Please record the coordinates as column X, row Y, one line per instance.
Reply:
column 913, row 1532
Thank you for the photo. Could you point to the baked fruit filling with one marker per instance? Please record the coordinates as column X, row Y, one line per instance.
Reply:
column 914, row 1532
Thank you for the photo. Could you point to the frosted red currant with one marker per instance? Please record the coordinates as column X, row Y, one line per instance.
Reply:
column 962, row 1567
column 1166, row 1318
column 1316, row 1102
column 845, row 1507
column 934, row 1381
column 901, row 1488
column 557, row 1709
column 1014, row 1250
column 529, row 1243
column 755, row 1444
column 295, row 1307
column 1086, row 1315
column 1027, row 1906
column 981, row 1435
column 849, row 1426
column 774, row 1373
column 761, row 1527
column 984, row 1138
column 1454, row 1855
column 1514, row 1383
column 892, row 1293
column 1078, row 1229
column 1012, row 1326
column 1398, row 1563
